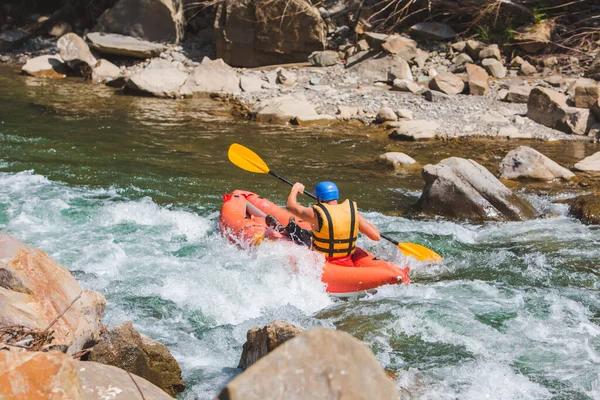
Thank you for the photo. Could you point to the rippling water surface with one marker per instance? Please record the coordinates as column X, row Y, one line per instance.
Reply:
column 125, row 192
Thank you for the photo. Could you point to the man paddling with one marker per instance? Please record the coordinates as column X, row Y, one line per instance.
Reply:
column 335, row 226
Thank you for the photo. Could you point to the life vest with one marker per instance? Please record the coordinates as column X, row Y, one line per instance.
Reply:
column 338, row 229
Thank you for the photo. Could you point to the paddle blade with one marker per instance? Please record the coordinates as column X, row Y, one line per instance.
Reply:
column 246, row 159
column 419, row 252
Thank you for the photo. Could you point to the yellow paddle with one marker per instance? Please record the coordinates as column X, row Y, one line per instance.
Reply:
column 248, row 160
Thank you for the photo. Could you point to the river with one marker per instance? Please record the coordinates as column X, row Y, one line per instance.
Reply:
column 125, row 192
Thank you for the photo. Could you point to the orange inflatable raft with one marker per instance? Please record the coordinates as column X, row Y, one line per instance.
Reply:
column 242, row 220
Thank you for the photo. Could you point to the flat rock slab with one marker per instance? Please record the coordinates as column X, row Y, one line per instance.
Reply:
column 49, row 66
column 121, row 45
column 591, row 163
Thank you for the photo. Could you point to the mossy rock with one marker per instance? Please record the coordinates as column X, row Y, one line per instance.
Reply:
column 586, row 208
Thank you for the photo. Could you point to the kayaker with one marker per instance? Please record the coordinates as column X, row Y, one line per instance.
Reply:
column 335, row 226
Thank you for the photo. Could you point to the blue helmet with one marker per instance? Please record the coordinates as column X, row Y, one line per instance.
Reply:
column 326, row 191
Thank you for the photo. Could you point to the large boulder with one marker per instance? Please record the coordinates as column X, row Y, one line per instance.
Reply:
column 591, row 163
column 213, row 76
column 121, row 45
column 252, row 33
column 283, row 109
column 319, row 364
column 447, row 83
column 261, row 341
column 549, row 108
column 463, row 189
column 586, row 208
column 525, row 162
column 153, row 20
column 159, row 78
column 75, row 52
column 53, row 375
column 379, row 67
column 35, row 291
column 50, row 66
column 123, row 347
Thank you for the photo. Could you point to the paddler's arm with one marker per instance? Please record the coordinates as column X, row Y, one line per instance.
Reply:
column 368, row 228
column 305, row 213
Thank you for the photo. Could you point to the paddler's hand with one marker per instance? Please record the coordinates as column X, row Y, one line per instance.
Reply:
column 298, row 187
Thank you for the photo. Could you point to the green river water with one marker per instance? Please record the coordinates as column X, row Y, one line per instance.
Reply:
column 125, row 192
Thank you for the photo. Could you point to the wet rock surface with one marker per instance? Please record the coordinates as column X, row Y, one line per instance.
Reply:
column 586, row 208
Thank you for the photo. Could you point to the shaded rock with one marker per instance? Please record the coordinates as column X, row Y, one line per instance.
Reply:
column 404, row 114
column 593, row 70
column 525, row 162
column 152, row 20
column 477, row 80
column 36, row 290
column 415, row 130
column 405, row 85
column 261, row 341
column 596, row 109
column 51, row 66
column 60, row 28
column 491, row 51
column 494, row 67
column 324, row 58
column 386, row 114
column 212, row 76
column 53, row 375
column 577, row 121
column 318, row 364
column 447, row 83
column 586, row 209
column 396, row 160
column 421, row 58
column 159, row 78
column 379, row 67
column 362, row 45
column 586, row 96
column 546, row 107
column 435, row 97
column 473, row 48
column 74, row 51
column 400, row 46
column 11, row 39
column 128, row 46
column 517, row 62
column 433, row 31
column 251, row 84
column 534, row 38
column 518, row 94
column 252, row 33
column 105, row 72
column 286, row 78
column 527, row 69
column 463, row 189
column 283, row 109
column 461, row 60
column 123, row 347
column 579, row 82
column 591, row 163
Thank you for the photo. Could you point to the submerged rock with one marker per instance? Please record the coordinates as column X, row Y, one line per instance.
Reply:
column 153, row 20
column 586, row 209
column 53, row 375
column 463, row 189
column 121, row 45
column 36, row 291
column 318, row 364
column 123, row 347
column 261, row 341
column 525, row 162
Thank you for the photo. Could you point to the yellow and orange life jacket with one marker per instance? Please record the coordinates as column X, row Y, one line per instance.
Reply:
column 338, row 229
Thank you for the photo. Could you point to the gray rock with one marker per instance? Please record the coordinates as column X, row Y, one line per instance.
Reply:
column 261, row 341
column 11, row 39
column 152, row 20
column 128, row 46
column 494, row 67
column 462, row 59
column 386, row 114
column 415, row 130
column 405, row 85
column 435, row 97
column 590, row 164
column 577, row 121
column 525, row 162
column 491, row 51
column 283, row 109
column 74, row 51
column 317, row 364
column 546, row 107
column 447, row 83
column 433, row 31
column 105, row 72
column 379, row 67
column 159, row 78
column 463, row 189
column 534, row 37
column 527, row 69
column 459, row 46
column 324, row 58
column 518, row 94
column 421, row 58
column 396, row 160
column 213, row 76
column 400, row 46
column 51, row 66
column 404, row 114
column 474, row 47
